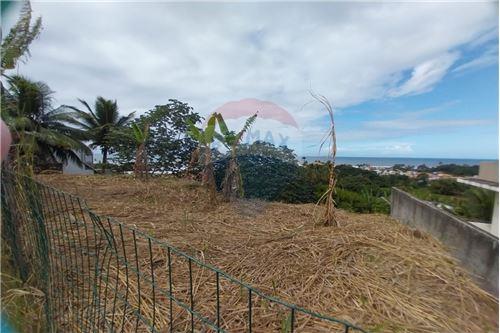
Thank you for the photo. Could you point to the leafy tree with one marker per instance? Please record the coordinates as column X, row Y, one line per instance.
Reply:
column 205, row 138
column 422, row 179
column 232, row 186
column 16, row 44
column 447, row 187
column 263, row 177
column 168, row 146
column 268, row 172
column 263, row 148
column 100, row 123
column 457, row 170
column 40, row 133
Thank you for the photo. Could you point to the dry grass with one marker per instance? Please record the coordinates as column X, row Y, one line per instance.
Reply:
column 21, row 303
column 371, row 271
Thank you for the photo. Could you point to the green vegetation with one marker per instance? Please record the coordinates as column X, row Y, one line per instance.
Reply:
column 232, row 186
column 16, row 44
column 465, row 201
column 40, row 133
column 141, row 155
column 100, row 123
column 168, row 146
column 271, row 173
column 450, row 169
column 205, row 138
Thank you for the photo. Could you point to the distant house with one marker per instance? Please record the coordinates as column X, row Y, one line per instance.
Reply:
column 72, row 168
column 487, row 179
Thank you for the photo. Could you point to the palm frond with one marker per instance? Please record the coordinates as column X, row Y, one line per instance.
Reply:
column 210, row 130
column 246, row 127
column 222, row 124
column 125, row 119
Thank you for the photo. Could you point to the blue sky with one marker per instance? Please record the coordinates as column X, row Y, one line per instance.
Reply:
column 458, row 118
column 409, row 79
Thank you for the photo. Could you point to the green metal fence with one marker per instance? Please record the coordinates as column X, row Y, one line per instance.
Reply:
column 100, row 275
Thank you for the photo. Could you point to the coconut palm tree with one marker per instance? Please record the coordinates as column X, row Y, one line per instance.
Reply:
column 100, row 122
column 232, row 185
column 40, row 133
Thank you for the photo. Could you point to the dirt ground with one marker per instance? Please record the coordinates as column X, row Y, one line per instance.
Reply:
column 371, row 271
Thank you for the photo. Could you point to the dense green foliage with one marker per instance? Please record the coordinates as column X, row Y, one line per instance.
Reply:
column 272, row 173
column 41, row 134
column 464, row 200
column 452, row 169
column 168, row 146
column 264, row 177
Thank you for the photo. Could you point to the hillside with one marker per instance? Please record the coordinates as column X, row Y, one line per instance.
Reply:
column 372, row 271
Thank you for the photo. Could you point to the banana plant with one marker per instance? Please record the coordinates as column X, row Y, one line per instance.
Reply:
column 141, row 156
column 205, row 138
column 232, row 185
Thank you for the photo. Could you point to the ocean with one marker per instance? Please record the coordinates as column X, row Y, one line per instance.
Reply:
column 390, row 161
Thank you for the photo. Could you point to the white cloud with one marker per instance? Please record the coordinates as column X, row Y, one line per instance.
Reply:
column 426, row 75
column 211, row 53
column 206, row 54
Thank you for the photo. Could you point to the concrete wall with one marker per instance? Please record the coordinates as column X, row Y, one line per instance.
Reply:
column 488, row 171
column 476, row 249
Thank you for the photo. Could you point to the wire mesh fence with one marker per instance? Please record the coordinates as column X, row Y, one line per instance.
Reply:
column 99, row 275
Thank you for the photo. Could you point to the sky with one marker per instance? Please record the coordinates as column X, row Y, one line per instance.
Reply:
column 406, row 79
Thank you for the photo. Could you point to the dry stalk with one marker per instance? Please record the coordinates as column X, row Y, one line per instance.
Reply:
column 329, row 216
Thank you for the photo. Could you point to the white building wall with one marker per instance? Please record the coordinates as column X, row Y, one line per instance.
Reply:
column 71, row 168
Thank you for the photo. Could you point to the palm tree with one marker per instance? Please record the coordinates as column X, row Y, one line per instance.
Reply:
column 205, row 138
column 232, row 185
column 40, row 133
column 100, row 122
column 141, row 156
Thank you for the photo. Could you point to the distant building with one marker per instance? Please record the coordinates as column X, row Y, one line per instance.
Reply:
column 487, row 179
column 72, row 168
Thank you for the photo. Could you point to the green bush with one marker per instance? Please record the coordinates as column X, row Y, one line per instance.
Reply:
column 477, row 204
column 447, row 187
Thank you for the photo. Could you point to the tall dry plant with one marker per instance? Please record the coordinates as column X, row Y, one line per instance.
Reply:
column 329, row 217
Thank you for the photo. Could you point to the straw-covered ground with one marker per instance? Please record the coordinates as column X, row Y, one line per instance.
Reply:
column 371, row 271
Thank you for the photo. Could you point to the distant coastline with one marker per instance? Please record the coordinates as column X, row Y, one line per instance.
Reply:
column 391, row 161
